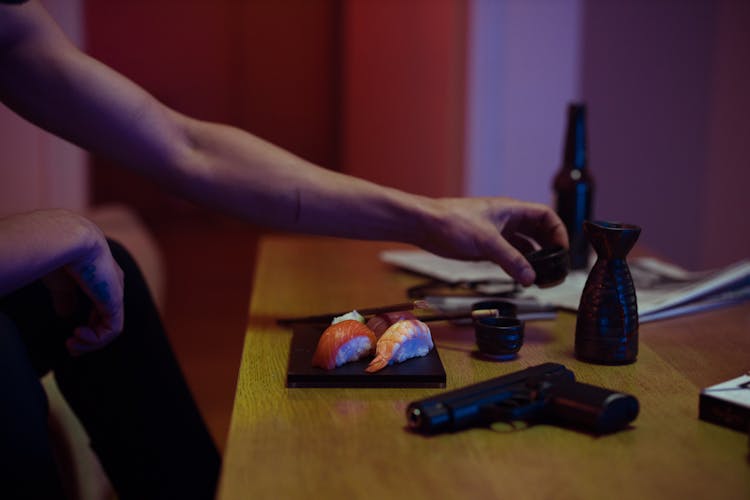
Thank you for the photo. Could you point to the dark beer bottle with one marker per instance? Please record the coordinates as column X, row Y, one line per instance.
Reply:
column 573, row 186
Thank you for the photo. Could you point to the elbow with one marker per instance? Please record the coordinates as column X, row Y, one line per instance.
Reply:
column 185, row 165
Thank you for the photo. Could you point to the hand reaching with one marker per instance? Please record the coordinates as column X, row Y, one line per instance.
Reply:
column 500, row 230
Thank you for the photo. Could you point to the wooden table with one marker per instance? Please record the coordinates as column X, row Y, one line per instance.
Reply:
column 353, row 443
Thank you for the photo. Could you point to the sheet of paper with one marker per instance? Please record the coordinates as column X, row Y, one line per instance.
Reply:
column 447, row 270
column 663, row 290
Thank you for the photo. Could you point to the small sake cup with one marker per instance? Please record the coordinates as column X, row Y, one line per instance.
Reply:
column 499, row 338
column 550, row 265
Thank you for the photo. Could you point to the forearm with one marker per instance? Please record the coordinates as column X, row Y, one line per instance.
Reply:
column 47, row 80
column 35, row 244
column 249, row 177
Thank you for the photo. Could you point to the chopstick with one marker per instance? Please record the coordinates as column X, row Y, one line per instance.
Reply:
column 478, row 313
column 319, row 318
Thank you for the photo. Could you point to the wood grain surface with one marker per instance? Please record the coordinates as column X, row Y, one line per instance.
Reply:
column 353, row 443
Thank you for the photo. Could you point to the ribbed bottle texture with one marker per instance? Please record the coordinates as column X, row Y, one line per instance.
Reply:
column 607, row 323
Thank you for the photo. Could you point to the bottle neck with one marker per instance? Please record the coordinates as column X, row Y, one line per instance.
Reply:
column 575, row 141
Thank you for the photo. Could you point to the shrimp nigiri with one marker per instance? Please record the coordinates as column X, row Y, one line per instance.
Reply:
column 405, row 339
column 343, row 342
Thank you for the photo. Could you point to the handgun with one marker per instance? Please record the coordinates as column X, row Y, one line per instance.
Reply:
column 544, row 393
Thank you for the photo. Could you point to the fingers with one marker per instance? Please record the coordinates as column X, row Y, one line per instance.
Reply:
column 101, row 279
column 85, row 339
column 498, row 229
column 512, row 261
column 101, row 330
column 523, row 226
column 104, row 326
column 523, row 243
column 540, row 223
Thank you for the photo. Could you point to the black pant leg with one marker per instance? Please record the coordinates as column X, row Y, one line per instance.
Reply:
column 134, row 402
column 27, row 465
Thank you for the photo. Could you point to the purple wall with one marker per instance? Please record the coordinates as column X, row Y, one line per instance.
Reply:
column 665, row 83
column 523, row 68
column 38, row 170
column 725, row 218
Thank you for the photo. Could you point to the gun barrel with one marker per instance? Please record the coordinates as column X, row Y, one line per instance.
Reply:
column 466, row 407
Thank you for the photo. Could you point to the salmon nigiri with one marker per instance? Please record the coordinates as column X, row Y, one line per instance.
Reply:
column 343, row 342
column 405, row 339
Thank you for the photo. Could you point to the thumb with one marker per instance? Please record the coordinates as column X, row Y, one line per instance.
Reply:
column 512, row 261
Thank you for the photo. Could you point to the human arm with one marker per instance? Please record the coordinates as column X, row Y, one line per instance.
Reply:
column 62, row 248
column 46, row 79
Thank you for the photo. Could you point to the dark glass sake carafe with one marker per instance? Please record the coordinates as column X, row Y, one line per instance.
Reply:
column 607, row 324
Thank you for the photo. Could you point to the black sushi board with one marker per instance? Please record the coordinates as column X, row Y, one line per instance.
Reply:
column 426, row 371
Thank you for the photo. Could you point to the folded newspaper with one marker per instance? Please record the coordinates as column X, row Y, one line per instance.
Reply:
column 663, row 290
